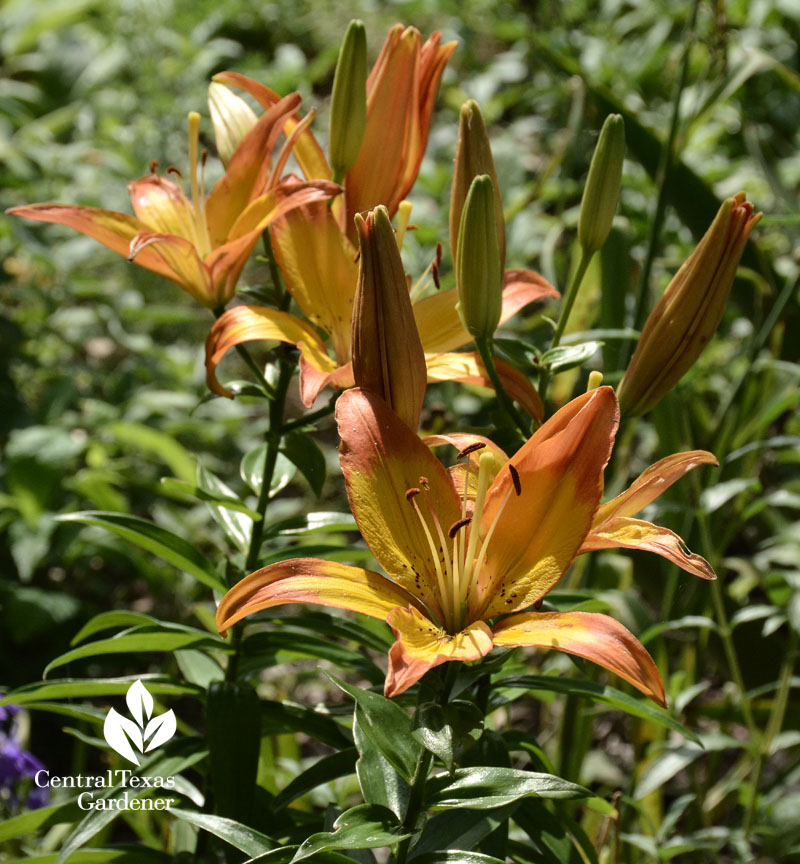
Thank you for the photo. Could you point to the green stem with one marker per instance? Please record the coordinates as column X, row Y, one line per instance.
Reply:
column 566, row 309
column 666, row 160
column 485, row 350
column 250, row 363
column 312, row 417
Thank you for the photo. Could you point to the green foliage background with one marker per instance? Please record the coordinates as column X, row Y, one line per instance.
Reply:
column 103, row 393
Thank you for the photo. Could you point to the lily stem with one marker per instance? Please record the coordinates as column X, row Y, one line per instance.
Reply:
column 566, row 309
column 484, row 346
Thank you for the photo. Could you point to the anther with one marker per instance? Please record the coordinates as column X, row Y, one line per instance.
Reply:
column 153, row 165
column 435, row 274
column 423, row 481
column 203, row 156
column 515, row 479
column 457, row 526
column 471, row 448
column 438, row 254
column 411, row 493
column 173, row 170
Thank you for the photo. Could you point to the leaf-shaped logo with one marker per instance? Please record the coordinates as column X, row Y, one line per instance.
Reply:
column 121, row 733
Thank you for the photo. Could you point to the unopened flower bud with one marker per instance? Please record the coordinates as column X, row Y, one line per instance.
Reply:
column 688, row 313
column 479, row 275
column 473, row 158
column 231, row 117
column 388, row 359
column 349, row 100
column 601, row 192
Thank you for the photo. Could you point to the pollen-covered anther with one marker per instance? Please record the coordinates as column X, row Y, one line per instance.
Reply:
column 173, row 170
column 457, row 526
column 204, row 157
column 153, row 166
column 438, row 254
column 411, row 493
column 423, row 481
column 435, row 274
column 471, row 448
column 515, row 479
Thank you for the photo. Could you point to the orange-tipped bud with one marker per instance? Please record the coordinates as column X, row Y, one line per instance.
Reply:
column 231, row 117
column 688, row 313
column 473, row 158
column 388, row 359
column 349, row 100
column 479, row 276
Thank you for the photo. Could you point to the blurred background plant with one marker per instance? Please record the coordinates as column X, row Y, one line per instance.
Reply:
column 102, row 377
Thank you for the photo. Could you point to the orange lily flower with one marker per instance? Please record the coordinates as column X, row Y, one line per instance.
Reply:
column 202, row 244
column 466, row 552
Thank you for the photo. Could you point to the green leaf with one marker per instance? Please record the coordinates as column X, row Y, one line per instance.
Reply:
column 142, row 639
column 182, row 489
column 549, row 835
column 459, row 829
column 688, row 621
column 460, row 857
column 68, row 688
column 484, row 788
column 119, row 854
column 565, row 357
column 137, row 436
column 313, row 522
column 324, row 770
column 39, row 820
column 107, row 620
column 367, row 826
column 280, row 717
column 147, row 535
column 303, row 452
column 243, row 838
column 599, row 693
column 236, row 526
column 379, row 782
column 252, row 471
column 387, row 727
column 199, row 668
column 269, row 648
column 447, row 732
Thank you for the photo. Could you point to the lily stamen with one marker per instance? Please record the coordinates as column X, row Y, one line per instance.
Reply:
column 411, row 494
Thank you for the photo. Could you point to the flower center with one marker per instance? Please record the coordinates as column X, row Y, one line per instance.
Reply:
column 458, row 562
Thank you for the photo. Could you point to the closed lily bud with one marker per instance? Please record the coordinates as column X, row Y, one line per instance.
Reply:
column 388, row 359
column 231, row 117
column 473, row 158
column 688, row 313
column 479, row 275
column 600, row 195
column 349, row 100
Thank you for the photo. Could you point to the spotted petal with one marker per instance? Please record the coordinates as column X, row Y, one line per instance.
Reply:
column 311, row 580
column 381, row 459
column 590, row 635
column 421, row 645
column 539, row 531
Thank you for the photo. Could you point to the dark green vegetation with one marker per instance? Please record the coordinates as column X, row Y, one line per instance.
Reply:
column 103, row 395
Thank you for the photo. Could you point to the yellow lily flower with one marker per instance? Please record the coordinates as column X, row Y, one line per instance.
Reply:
column 469, row 551
column 200, row 243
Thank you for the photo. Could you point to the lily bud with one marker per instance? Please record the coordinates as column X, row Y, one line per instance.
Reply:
column 388, row 359
column 600, row 195
column 349, row 100
column 231, row 117
column 479, row 275
column 473, row 158
column 688, row 313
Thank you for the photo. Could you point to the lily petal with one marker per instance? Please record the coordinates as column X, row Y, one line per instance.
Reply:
column 180, row 255
column 307, row 150
column 252, row 323
column 247, row 171
column 651, row 483
column 162, row 206
column 318, row 264
column 590, row 635
column 381, row 458
column 439, row 324
column 314, row 380
column 624, row 532
column 468, row 368
column 311, row 580
column 462, row 473
column 421, row 645
column 539, row 532
column 112, row 229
